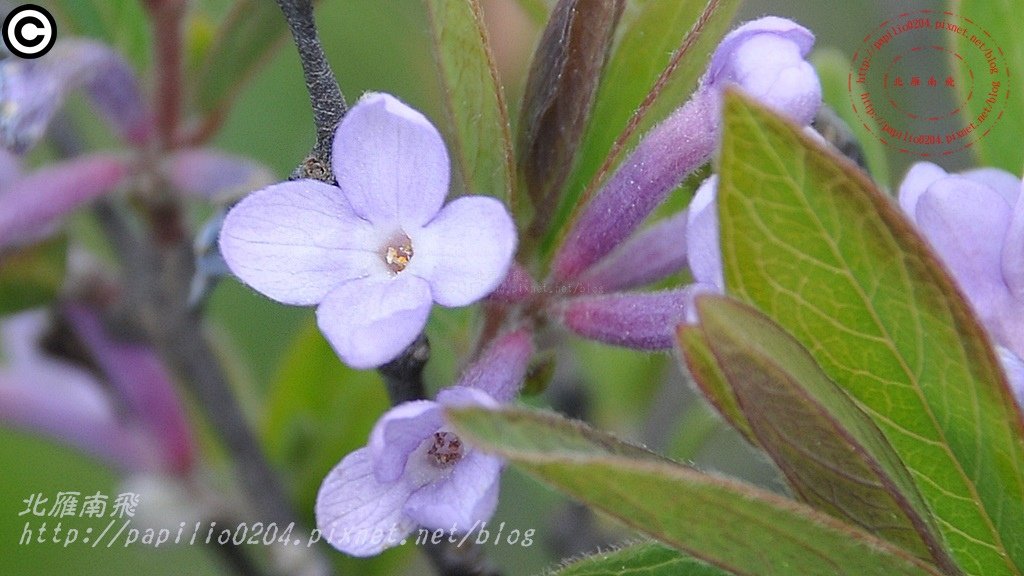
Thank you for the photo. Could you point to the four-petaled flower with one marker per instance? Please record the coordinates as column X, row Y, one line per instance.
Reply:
column 375, row 251
column 415, row 471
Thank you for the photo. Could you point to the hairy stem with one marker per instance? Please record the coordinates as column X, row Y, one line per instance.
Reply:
column 324, row 94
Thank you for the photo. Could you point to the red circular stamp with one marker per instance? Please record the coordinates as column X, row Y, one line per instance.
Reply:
column 929, row 83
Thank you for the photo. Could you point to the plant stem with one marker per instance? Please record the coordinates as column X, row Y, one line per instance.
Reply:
column 166, row 17
column 325, row 96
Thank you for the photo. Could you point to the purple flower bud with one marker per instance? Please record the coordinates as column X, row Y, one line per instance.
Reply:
column 142, row 428
column 215, row 176
column 415, row 471
column 32, row 91
column 34, row 204
column 765, row 58
column 648, row 256
column 640, row 320
column 518, row 286
column 975, row 222
column 501, row 369
column 377, row 250
column 141, row 380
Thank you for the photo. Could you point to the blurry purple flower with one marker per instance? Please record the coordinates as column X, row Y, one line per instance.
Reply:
column 764, row 58
column 375, row 251
column 34, row 204
column 214, row 176
column 501, row 368
column 975, row 222
column 32, row 91
column 414, row 472
column 140, row 428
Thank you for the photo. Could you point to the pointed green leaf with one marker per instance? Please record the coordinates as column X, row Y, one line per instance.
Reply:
column 701, row 364
column 833, row 455
column 473, row 97
column 662, row 54
column 807, row 238
column 245, row 40
column 560, row 92
column 647, row 559
column 738, row 527
column 997, row 27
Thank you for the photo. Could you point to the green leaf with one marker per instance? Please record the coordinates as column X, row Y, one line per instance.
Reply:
column 32, row 276
column 245, row 40
column 833, row 455
column 708, row 375
column 998, row 26
column 833, row 69
column 663, row 52
column 473, row 97
column 647, row 559
column 752, row 532
column 560, row 92
column 809, row 240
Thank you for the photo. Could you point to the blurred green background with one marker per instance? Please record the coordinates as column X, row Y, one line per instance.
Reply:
column 309, row 408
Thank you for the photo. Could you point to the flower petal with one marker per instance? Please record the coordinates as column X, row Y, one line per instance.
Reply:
column 1013, row 247
column 34, row 204
column 466, row 251
column 648, row 256
column 398, row 433
column 966, row 223
column 391, row 162
column 920, row 176
column 1014, row 369
column 357, row 514
column 462, row 501
column 643, row 321
column 296, row 241
column 704, row 252
column 371, row 321
column 1006, row 184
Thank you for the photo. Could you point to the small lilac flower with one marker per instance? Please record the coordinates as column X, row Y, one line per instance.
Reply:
column 414, row 472
column 975, row 223
column 765, row 59
column 375, row 251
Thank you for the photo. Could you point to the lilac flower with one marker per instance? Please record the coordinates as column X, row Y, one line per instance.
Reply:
column 415, row 470
column 975, row 222
column 764, row 58
column 375, row 251
column 131, row 418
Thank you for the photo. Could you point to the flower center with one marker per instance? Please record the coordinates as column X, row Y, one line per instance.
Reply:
column 398, row 253
column 446, row 450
